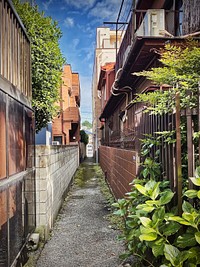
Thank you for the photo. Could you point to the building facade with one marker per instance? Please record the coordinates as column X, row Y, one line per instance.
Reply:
column 152, row 25
column 17, row 167
column 66, row 127
column 107, row 45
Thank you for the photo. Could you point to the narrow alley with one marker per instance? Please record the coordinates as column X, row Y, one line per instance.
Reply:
column 82, row 235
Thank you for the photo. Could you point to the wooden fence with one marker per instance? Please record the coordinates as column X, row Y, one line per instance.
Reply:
column 179, row 152
column 14, row 49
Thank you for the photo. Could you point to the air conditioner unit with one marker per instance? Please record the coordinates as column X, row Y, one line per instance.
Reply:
column 153, row 23
column 55, row 143
column 126, row 53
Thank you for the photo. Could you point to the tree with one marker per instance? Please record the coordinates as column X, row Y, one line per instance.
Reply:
column 84, row 137
column 47, row 61
column 181, row 71
column 87, row 124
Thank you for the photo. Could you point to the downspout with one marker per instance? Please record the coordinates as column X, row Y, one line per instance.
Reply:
column 62, row 120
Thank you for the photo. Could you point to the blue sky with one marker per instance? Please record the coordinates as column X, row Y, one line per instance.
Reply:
column 78, row 20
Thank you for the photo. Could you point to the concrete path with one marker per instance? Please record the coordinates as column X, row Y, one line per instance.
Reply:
column 82, row 235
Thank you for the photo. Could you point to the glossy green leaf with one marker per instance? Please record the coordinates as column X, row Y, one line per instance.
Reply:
column 145, row 173
column 159, row 214
column 195, row 181
column 191, row 193
column 197, row 237
column 191, row 218
column 148, row 237
column 145, row 208
column 170, row 228
column 194, row 252
column 187, row 207
column 186, row 240
column 171, row 253
column 181, row 258
column 152, row 202
column 150, row 185
column 145, row 152
column 141, row 189
column 116, row 205
column 156, row 190
column 158, row 250
column 147, row 230
column 179, row 220
column 166, row 197
column 145, row 221
column 120, row 212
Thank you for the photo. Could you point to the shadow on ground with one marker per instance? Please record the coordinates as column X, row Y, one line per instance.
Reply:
column 82, row 235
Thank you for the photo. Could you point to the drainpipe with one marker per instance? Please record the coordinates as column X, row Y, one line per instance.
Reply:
column 96, row 143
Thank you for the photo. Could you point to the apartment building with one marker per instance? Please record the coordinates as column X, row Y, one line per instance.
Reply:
column 66, row 126
column 107, row 44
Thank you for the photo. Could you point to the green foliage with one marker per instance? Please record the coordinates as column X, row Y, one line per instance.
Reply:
column 180, row 71
column 150, row 225
column 145, row 213
column 84, row 137
column 87, row 124
column 152, row 228
column 47, row 61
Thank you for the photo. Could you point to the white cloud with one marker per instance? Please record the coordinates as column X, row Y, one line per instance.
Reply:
column 69, row 22
column 88, row 52
column 86, row 28
column 107, row 9
column 46, row 4
column 75, row 42
column 80, row 3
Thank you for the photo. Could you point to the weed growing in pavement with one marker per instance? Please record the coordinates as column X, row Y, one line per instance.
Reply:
column 115, row 221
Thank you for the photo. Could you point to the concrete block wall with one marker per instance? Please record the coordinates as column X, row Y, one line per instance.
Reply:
column 120, row 168
column 55, row 167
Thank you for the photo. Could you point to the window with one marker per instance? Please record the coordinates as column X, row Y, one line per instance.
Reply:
column 58, row 139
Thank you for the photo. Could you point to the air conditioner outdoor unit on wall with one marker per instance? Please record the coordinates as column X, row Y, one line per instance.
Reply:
column 55, row 143
column 153, row 23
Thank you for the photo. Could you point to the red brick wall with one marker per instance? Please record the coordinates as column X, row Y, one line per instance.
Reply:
column 120, row 168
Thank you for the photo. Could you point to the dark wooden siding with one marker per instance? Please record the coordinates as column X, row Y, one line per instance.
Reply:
column 191, row 16
column 14, row 50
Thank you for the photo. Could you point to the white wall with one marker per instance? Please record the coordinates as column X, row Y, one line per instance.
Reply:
column 55, row 167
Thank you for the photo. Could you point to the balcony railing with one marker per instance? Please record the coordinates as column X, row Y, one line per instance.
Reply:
column 71, row 114
column 126, row 42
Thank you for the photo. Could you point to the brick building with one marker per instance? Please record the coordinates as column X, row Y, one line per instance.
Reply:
column 66, row 127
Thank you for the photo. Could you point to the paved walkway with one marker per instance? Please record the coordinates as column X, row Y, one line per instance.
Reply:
column 82, row 235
